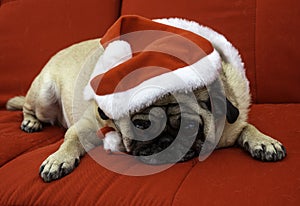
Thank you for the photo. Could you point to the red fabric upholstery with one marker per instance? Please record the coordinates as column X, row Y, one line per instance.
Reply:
column 265, row 32
column 32, row 31
column 16, row 142
column 228, row 176
column 277, row 51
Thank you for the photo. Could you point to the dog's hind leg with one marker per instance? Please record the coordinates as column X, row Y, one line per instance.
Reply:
column 259, row 145
column 41, row 104
column 15, row 103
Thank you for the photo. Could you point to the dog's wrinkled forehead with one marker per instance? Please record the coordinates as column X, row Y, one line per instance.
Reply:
column 187, row 102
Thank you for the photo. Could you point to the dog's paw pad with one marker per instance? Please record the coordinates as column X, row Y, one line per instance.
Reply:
column 266, row 150
column 55, row 167
column 31, row 125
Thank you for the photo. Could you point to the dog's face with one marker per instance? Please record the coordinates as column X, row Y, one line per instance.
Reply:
column 173, row 128
column 152, row 130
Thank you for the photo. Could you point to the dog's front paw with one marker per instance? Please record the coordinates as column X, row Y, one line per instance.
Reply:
column 266, row 151
column 261, row 146
column 58, row 165
column 31, row 125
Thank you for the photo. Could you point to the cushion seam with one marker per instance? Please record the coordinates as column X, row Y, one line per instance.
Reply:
column 183, row 180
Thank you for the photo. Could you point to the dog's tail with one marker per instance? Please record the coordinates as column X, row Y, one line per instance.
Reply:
column 15, row 103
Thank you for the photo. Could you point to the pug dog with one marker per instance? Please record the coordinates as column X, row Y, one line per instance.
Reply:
column 56, row 97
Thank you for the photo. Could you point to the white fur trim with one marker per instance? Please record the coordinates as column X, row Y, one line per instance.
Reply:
column 112, row 141
column 227, row 51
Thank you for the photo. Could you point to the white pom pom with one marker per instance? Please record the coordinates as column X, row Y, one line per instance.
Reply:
column 112, row 141
column 115, row 53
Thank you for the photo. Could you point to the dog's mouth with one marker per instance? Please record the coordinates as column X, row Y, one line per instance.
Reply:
column 171, row 145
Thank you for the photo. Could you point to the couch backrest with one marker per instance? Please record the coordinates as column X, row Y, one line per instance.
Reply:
column 265, row 32
column 32, row 31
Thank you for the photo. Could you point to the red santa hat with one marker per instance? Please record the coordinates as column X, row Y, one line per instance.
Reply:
column 143, row 60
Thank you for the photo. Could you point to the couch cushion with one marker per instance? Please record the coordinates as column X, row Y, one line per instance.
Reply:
column 227, row 176
column 32, row 31
column 89, row 184
column 16, row 142
column 230, row 177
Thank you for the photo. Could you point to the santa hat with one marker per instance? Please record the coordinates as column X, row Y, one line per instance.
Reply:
column 144, row 60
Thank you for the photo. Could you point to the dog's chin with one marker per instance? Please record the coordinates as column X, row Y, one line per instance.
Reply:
column 164, row 150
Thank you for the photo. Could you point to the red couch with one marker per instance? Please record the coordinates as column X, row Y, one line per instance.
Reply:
column 266, row 34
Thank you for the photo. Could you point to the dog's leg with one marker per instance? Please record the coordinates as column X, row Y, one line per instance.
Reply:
column 65, row 159
column 259, row 145
column 30, row 122
column 41, row 104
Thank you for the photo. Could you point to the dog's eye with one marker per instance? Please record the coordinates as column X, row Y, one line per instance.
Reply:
column 141, row 124
column 102, row 114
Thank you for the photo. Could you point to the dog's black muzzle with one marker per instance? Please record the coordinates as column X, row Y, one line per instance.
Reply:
column 171, row 145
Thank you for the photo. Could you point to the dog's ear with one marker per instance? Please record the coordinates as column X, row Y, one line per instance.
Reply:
column 232, row 112
column 102, row 114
